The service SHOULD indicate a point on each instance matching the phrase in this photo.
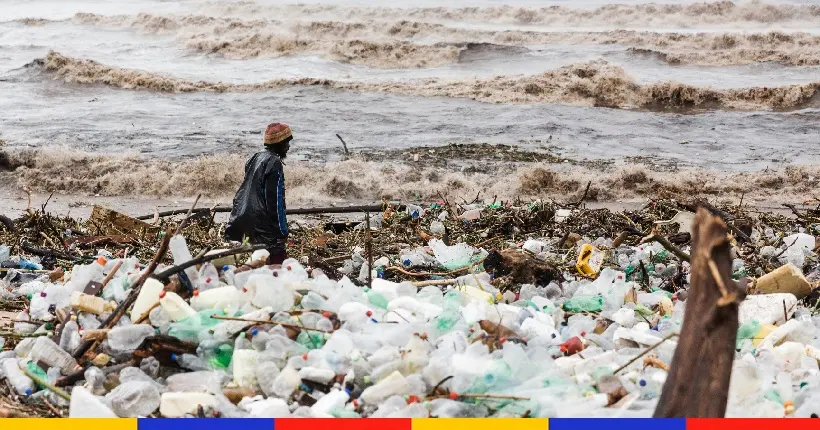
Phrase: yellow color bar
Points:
(68, 424)
(480, 424)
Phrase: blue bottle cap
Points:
(225, 268)
(28, 391)
(642, 382)
(254, 332)
(174, 357)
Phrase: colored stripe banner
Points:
(408, 424)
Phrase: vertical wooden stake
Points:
(698, 382)
(369, 250)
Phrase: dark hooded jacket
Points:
(259, 211)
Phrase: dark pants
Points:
(277, 257)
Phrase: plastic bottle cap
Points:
(304, 356)
(369, 313)
(43, 294)
(208, 280)
(290, 268)
(28, 391)
(642, 382)
(174, 357)
(244, 290)
(216, 414)
(554, 335)
(453, 395)
(412, 399)
(196, 293)
(355, 404)
(472, 330)
(326, 314)
(101, 261)
(162, 294)
(502, 340)
(583, 333)
(275, 274)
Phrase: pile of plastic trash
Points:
(297, 343)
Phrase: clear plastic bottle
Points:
(85, 404)
(134, 399)
(45, 350)
(22, 384)
(181, 254)
(128, 338)
(70, 339)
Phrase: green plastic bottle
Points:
(584, 304)
(377, 299)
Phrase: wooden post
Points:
(698, 380)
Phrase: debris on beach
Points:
(481, 309)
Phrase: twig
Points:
(646, 351)
(167, 273)
(344, 144)
(51, 407)
(447, 378)
(218, 317)
(111, 274)
(369, 246)
(435, 282)
(146, 314)
(38, 381)
(187, 216)
(668, 245)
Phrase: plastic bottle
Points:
(270, 292)
(134, 399)
(330, 401)
(245, 362)
(5, 253)
(177, 405)
(91, 304)
(217, 298)
(393, 385)
(196, 327)
(84, 404)
(176, 308)
(147, 298)
(21, 383)
(45, 350)
(70, 339)
(82, 274)
(584, 304)
(128, 338)
(216, 353)
(181, 254)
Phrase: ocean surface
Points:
(723, 87)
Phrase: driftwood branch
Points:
(173, 270)
(295, 211)
(698, 383)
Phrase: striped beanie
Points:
(277, 133)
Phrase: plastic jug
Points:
(147, 298)
(176, 308)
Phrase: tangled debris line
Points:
(556, 308)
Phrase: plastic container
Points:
(176, 308)
(181, 254)
(84, 404)
(393, 385)
(245, 362)
(128, 338)
(134, 399)
(590, 260)
(91, 304)
(217, 298)
(22, 384)
(45, 350)
(177, 405)
(147, 298)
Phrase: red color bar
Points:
(342, 424)
(751, 424)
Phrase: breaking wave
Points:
(718, 14)
(65, 170)
(396, 44)
(593, 83)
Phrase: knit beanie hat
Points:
(277, 133)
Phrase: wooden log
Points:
(698, 383)
(294, 211)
